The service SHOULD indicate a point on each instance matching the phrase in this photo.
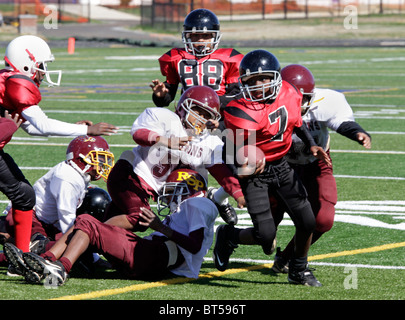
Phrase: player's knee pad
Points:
(21, 195)
(264, 233)
(304, 220)
(325, 219)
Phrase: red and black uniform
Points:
(269, 126)
(17, 92)
(219, 71)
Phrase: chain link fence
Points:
(170, 14)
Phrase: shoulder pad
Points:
(22, 92)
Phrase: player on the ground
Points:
(61, 191)
(322, 110)
(26, 59)
(177, 245)
(265, 117)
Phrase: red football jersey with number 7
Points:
(267, 126)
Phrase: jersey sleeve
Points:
(332, 108)
(167, 66)
(149, 119)
(22, 92)
(38, 123)
(233, 63)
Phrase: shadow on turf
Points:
(82, 272)
(112, 274)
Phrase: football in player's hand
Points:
(249, 155)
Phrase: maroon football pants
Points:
(320, 184)
(128, 253)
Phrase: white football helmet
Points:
(29, 55)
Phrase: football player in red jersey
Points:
(322, 110)
(200, 62)
(26, 59)
(266, 116)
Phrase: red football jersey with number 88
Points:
(215, 70)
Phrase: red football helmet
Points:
(303, 80)
(84, 152)
(180, 185)
(202, 103)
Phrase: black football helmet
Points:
(94, 203)
(256, 63)
(201, 21)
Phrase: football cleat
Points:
(15, 258)
(280, 264)
(38, 243)
(53, 272)
(223, 247)
(226, 211)
(304, 277)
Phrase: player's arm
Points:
(163, 93)
(191, 242)
(354, 131)
(318, 152)
(228, 181)
(231, 93)
(146, 137)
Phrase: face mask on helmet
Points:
(180, 185)
(197, 105)
(87, 153)
(171, 196)
(102, 160)
(307, 100)
(197, 115)
(30, 56)
(201, 48)
(260, 86)
(52, 77)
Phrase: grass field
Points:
(361, 258)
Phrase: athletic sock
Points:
(299, 263)
(48, 255)
(220, 196)
(66, 264)
(22, 228)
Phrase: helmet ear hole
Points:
(26, 68)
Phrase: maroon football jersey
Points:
(17, 91)
(215, 70)
(268, 126)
